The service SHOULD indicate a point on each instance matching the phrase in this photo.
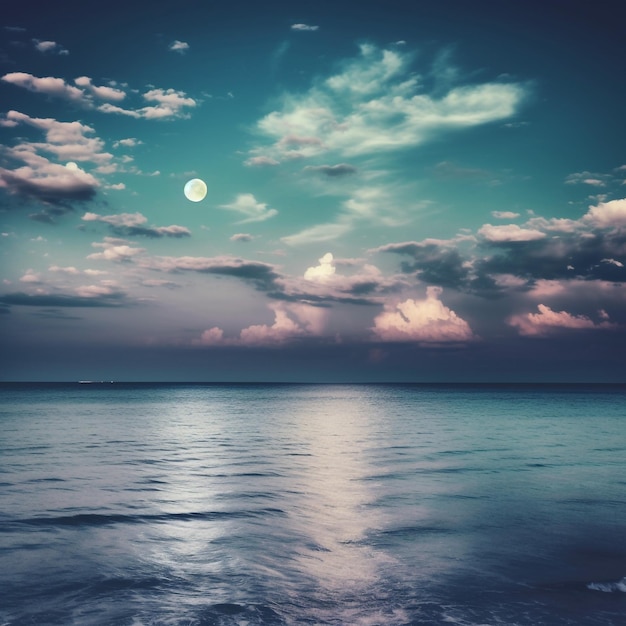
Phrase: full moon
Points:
(71, 165)
(195, 190)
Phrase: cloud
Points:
(509, 232)
(114, 250)
(373, 204)
(170, 103)
(548, 321)
(242, 237)
(291, 321)
(47, 85)
(51, 47)
(31, 277)
(65, 140)
(104, 92)
(322, 272)
(247, 204)
(505, 215)
(48, 183)
(304, 27)
(178, 46)
(607, 214)
(587, 178)
(426, 321)
(262, 275)
(133, 224)
(319, 233)
(260, 161)
(129, 142)
(333, 171)
(71, 270)
(376, 105)
(433, 261)
(88, 296)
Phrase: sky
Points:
(399, 191)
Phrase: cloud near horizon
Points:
(426, 321)
(548, 321)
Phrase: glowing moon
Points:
(195, 190)
(71, 166)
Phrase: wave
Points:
(97, 519)
(620, 585)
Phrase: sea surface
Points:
(139, 504)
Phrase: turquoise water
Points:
(312, 504)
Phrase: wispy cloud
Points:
(304, 27)
(247, 204)
(134, 224)
(375, 104)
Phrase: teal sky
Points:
(396, 191)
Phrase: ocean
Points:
(249, 504)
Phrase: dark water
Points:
(338, 504)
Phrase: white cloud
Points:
(322, 272)
(242, 237)
(374, 204)
(47, 85)
(304, 27)
(607, 214)
(171, 103)
(114, 250)
(64, 270)
(105, 93)
(504, 215)
(247, 204)
(318, 234)
(509, 232)
(66, 140)
(50, 47)
(259, 161)
(179, 46)
(426, 321)
(547, 321)
(375, 104)
(31, 277)
(587, 178)
(129, 142)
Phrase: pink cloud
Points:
(423, 321)
(547, 321)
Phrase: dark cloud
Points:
(55, 314)
(433, 263)
(568, 255)
(114, 299)
(134, 224)
(333, 171)
(48, 190)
